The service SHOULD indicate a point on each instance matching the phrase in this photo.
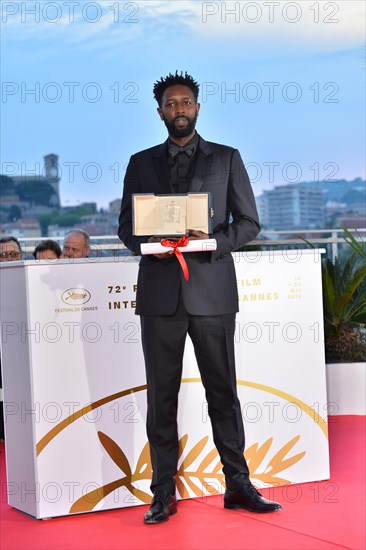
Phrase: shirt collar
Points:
(189, 148)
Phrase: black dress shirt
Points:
(181, 162)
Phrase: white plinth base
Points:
(346, 384)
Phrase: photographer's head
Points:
(76, 244)
(10, 249)
(47, 250)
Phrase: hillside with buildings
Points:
(313, 205)
(30, 206)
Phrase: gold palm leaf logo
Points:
(201, 474)
(197, 478)
(142, 471)
(255, 456)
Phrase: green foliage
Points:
(344, 303)
(7, 186)
(14, 213)
(357, 245)
(82, 210)
(347, 347)
(67, 220)
(44, 221)
(35, 192)
(344, 294)
(354, 196)
(64, 220)
(4, 212)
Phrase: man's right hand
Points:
(165, 255)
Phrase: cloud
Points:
(301, 27)
(256, 26)
(91, 22)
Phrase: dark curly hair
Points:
(172, 80)
(48, 244)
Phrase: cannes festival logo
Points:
(75, 296)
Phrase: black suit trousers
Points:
(163, 340)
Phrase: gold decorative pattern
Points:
(49, 436)
(255, 456)
(143, 471)
(46, 439)
(315, 416)
(196, 478)
(200, 474)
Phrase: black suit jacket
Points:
(212, 288)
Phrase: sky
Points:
(283, 82)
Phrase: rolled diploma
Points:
(199, 245)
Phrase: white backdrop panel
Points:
(89, 399)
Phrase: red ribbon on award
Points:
(183, 241)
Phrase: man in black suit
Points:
(203, 307)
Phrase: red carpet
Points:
(328, 514)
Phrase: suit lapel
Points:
(160, 162)
(201, 168)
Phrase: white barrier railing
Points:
(110, 245)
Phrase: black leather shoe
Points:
(162, 506)
(247, 497)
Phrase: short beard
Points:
(184, 132)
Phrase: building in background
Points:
(102, 223)
(355, 220)
(115, 206)
(293, 206)
(30, 206)
(26, 196)
(23, 228)
(49, 175)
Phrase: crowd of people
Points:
(76, 245)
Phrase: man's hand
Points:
(194, 235)
(165, 255)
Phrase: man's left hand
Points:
(194, 235)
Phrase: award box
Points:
(171, 215)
